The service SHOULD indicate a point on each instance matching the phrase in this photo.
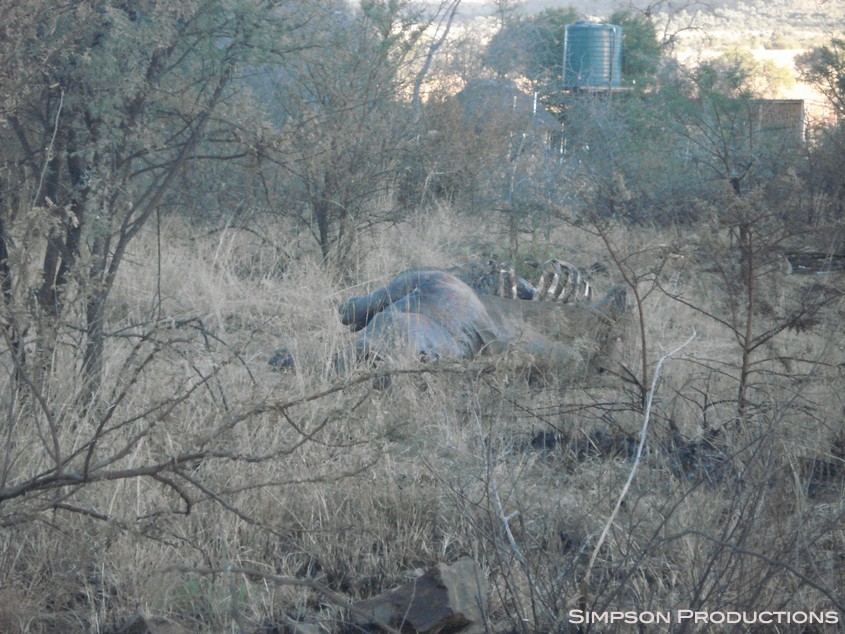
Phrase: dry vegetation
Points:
(319, 482)
(187, 187)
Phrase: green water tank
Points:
(592, 55)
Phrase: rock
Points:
(444, 599)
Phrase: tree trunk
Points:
(13, 335)
(322, 211)
(345, 246)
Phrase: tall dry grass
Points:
(315, 477)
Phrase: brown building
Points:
(779, 120)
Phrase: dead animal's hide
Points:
(429, 314)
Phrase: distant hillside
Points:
(787, 23)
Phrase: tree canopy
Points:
(824, 67)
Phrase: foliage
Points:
(739, 73)
(722, 127)
(342, 129)
(824, 67)
(167, 174)
(337, 108)
(122, 102)
(531, 46)
(641, 49)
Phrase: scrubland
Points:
(207, 488)
(188, 191)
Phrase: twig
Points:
(637, 459)
(49, 150)
(500, 511)
(833, 596)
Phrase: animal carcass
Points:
(429, 314)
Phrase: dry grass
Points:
(356, 489)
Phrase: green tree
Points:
(716, 110)
(752, 76)
(641, 48)
(531, 46)
(824, 67)
(750, 197)
(696, 152)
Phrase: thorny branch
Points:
(643, 435)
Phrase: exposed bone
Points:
(513, 283)
(508, 283)
(541, 288)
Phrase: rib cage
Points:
(562, 281)
(559, 281)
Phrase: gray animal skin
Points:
(431, 314)
(428, 312)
